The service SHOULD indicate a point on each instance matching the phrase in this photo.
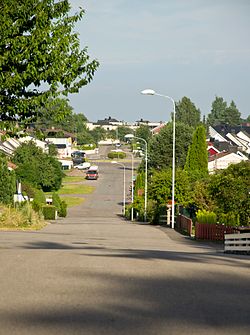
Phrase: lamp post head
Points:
(148, 91)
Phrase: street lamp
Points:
(130, 136)
(152, 92)
(132, 183)
(124, 184)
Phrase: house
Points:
(63, 145)
(223, 159)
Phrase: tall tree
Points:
(217, 115)
(36, 168)
(161, 146)
(40, 56)
(187, 113)
(143, 132)
(7, 182)
(197, 158)
(232, 115)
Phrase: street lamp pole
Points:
(124, 185)
(132, 183)
(146, 172)
(152, 92)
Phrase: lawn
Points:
(76, 189)
(71, 179)
(72, 201)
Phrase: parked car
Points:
(93, 172)
(83, 166)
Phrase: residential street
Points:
(94, 273)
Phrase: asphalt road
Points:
(94, 273)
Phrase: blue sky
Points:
(193, 48)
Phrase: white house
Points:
(223, 159)
(63, 145)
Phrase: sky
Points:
(194, 48)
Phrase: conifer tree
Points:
(197, 157)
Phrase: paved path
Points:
(94, 273)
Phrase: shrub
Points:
(39, 200)
(49, 212)
(63, 209)
(114, 154)
(229, 219)
(60, 205)
(203, 216)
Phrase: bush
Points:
(203, 216)
(39, 200)
(63, 210)
(49, 212)
(60, 205)
(22, 216)
(229, 219)
(114, 154)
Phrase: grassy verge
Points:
(75, 189)
(69, 179)
(72, 201)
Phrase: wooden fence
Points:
(184, 224)
(212, 232)
(237, 243)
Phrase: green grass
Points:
(73, 201)
(71, 179)
(76, 189)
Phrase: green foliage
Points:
(39, 200)
(20, 217)
(187, 113)
(37, 168)
(49, 212)
(160, 186)
(63, 209)
(230, 191)
(160, 150)
(201, 197)
(98, 134)
(203, 216)
(229, 219)
(122, 131)
(114, 154)
(143, 132)
(60, 205)
(7, 182)
(53, 150)
(39, 45)
(223, 114)
(197, 157)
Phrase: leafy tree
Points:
(197, 157)
(187, 113)
(160, 187)
(161, 146)
(232, 115)
(36, 168)
(7, 182)
(217, 115)
(230, 191)
(144, 132)
(122, 131)
(98, 134)
(223, 114)
(40, 56)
